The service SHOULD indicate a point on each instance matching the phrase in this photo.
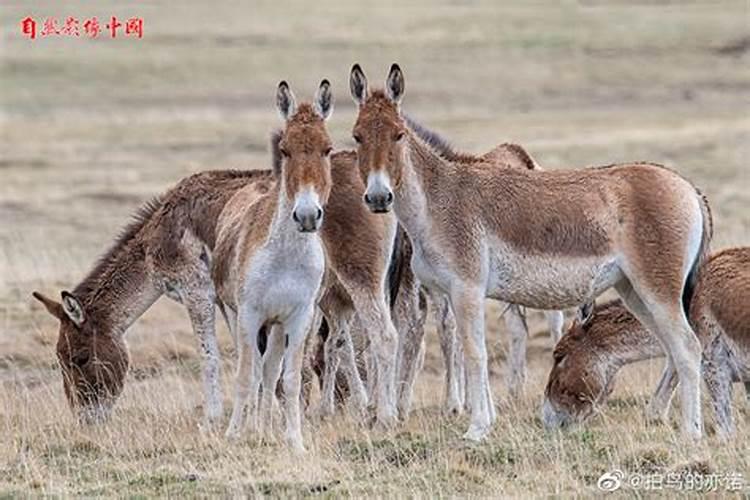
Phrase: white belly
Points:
(547, 281)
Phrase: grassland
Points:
(90, 129)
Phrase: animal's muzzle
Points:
(554, 418)
(309, 219)
(380, 202)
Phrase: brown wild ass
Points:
(269, 264)
(547, 240)
(506, 155)
(607, 337)
(168, 249)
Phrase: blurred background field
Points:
(89, 129)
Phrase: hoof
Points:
(385, 424)
(296, 447)
(453, 410)
(232, 435)
(476, 433)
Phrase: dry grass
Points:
(89, 130)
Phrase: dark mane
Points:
(92, 281)
(440, 144)
(276, 151)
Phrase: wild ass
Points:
(269, 263)
(168, 249)
(605, 338)
(506, 155)
(547, 240)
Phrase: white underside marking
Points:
(547, 281)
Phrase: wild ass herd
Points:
(332, 242)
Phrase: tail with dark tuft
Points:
(399, 258)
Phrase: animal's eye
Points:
(284, 152)
(399, 136)
(357, 138)
(327, 152)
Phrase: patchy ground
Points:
(90, 129)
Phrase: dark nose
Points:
(308, 222)
(379, 203)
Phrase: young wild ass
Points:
(546, 240)
(506, 155)
(168, 249)
(269, 263)
(605, 338)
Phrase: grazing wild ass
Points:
(168, 250)
(547, 240)
(607, 337)
(269, 264)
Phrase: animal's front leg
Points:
(657, 410)
(718, 376)
(519, 333)
(295, 328)
(247, 378)
(272, 360)
(467, 304)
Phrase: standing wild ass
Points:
(506, 155)
(605, 338)
(546, 240)
(168, 249)
(269, 263)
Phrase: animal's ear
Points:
(394, 84)
(73, 308)
(53, 307)
(585, 313)
(285, 101)
(324, 100)
(358, 84)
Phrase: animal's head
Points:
(380, 133)
(93, 359)
(305, 150)
(577, 382)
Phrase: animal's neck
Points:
(120, 293)
(423, 168)
(627, 346)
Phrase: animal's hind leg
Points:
(718, 376)
(409, 316)
(519, 333)
(669, 323)
(446, 329)
(376, 321)
(200, 304)
(658, 408)
(556, 321)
